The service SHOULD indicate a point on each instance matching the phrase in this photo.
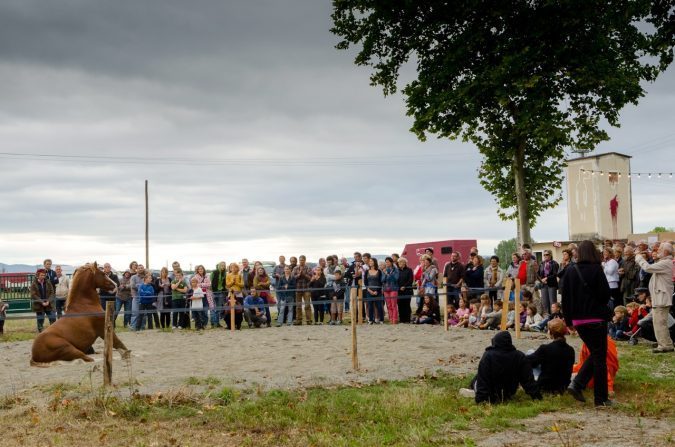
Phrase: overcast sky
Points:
(256, 135)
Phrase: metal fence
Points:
(15, 290)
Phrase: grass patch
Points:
(426, 411)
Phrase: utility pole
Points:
(147, 229)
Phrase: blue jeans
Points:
(127, 311)
(60, 306)
(40, 317)
(283, 306)
(135, 307)
(216, 314)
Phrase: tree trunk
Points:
(521, 197)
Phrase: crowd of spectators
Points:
(619, 292)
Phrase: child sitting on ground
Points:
(474, 318)
(463, 313)
(635, 314)
(485, 306)
(493, 319)
(556, 312)
(532, 318)
(511, 316)
(618, 327)
(453, 319)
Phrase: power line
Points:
(386, 159)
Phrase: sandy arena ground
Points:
(296, 357)
(271, 358)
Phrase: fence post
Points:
(505, 304)
(108, 342)
(352, 311)
(517, 307)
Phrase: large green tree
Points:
(524, 81)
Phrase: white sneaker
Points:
(467, 392)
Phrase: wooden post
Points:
(444, 305)
(505, 301)
(352, 311)
(517, 307)
(147, 230)
(233, 302)
(108, 342)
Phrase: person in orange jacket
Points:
(612, 363)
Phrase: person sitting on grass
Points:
(619, 327)
(553, 361)
(501, 369)
(493, 319)
(428, 312)
(254, 309)
(533, 318)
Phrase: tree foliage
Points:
(522, 80)
(661, 230)
(504, 250)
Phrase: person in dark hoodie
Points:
(585, 299)
(501, 370)
(555, 360)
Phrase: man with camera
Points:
(661, 291)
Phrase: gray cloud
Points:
(315, 158)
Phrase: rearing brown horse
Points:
(70, 337)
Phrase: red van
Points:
(442, 251)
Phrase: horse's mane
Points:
(78, 282)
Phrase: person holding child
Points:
(337, 297)
(428, 312)
(146, 302)
(180, 318)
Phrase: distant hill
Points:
(25, 268)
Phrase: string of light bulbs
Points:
(648, 175)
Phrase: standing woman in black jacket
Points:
(585, 298)
(405, 290)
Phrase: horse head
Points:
(86, 280)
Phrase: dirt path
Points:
(286, 357)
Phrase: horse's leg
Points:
(69, 352)
(117, 344)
